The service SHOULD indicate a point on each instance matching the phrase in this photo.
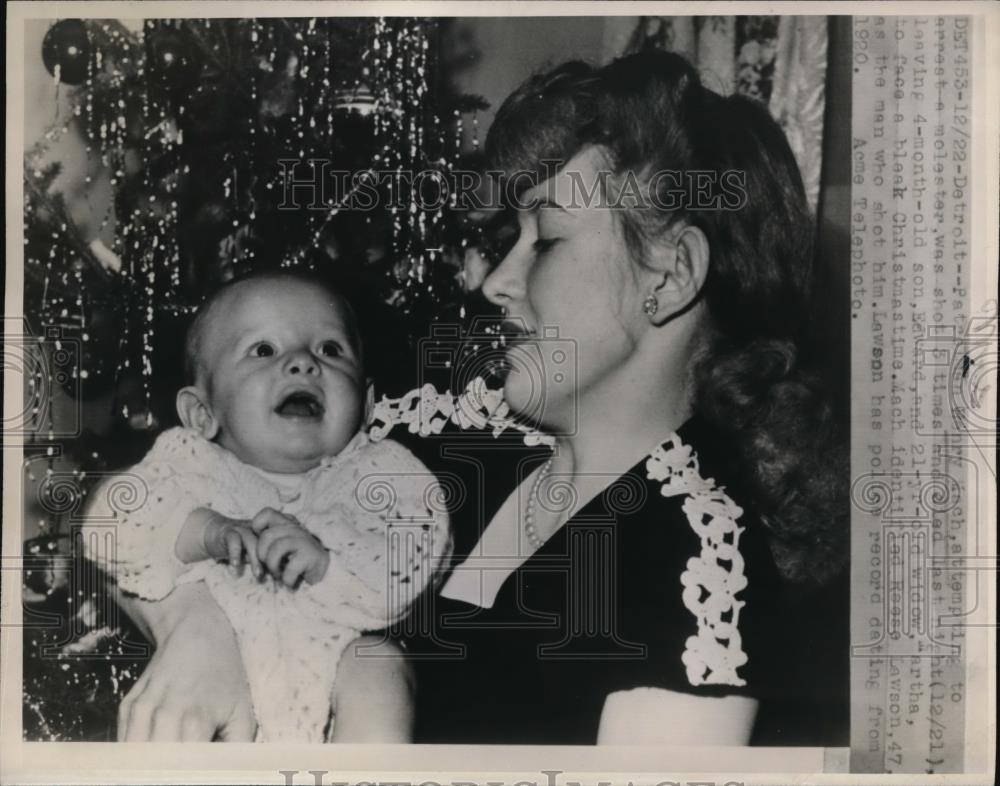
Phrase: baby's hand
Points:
(233, 540)
(289, 550)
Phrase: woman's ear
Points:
(681, 267)
(194, 412)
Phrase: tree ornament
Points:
(278, 86)
(66, 51)
(109, 259)
(172, 59)
(42, 575)
(358, 100)
(212, 212)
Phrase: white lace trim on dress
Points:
(715, 576)
(712, 579)
(424, 411)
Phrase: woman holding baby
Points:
(692, 458)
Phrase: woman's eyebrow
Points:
(548, 202)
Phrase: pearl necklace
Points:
(529, 509)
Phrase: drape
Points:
(779, 60)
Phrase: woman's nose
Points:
(505, 284)
(301, 362)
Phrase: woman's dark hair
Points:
(649, 113)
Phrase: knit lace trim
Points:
(714, 577)
(425, 411)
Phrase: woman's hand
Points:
(195, 687)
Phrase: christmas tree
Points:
(219, 138)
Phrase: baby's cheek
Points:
(350, 403)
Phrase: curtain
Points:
(778, 60)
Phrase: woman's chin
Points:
(523, 400)
(533, 404)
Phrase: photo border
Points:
(252, 763)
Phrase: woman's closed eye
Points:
(543, 244)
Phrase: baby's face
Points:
(284, 374)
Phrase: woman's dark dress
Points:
(597, 609)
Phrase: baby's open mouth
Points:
(301, 404)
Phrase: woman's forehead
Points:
(577, 185)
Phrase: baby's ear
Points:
(194, 412)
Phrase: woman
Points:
(666, 237)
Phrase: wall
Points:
(492, 56)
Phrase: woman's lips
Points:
(511, 335)
(513, 331)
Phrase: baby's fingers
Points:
(250, 546)
(269, 517)
(272, 535)
(295, 568)
(276, 554)
(234, 550)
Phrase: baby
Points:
(305, 532)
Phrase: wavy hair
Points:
(649, 113)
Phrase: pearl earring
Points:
(650, 305)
